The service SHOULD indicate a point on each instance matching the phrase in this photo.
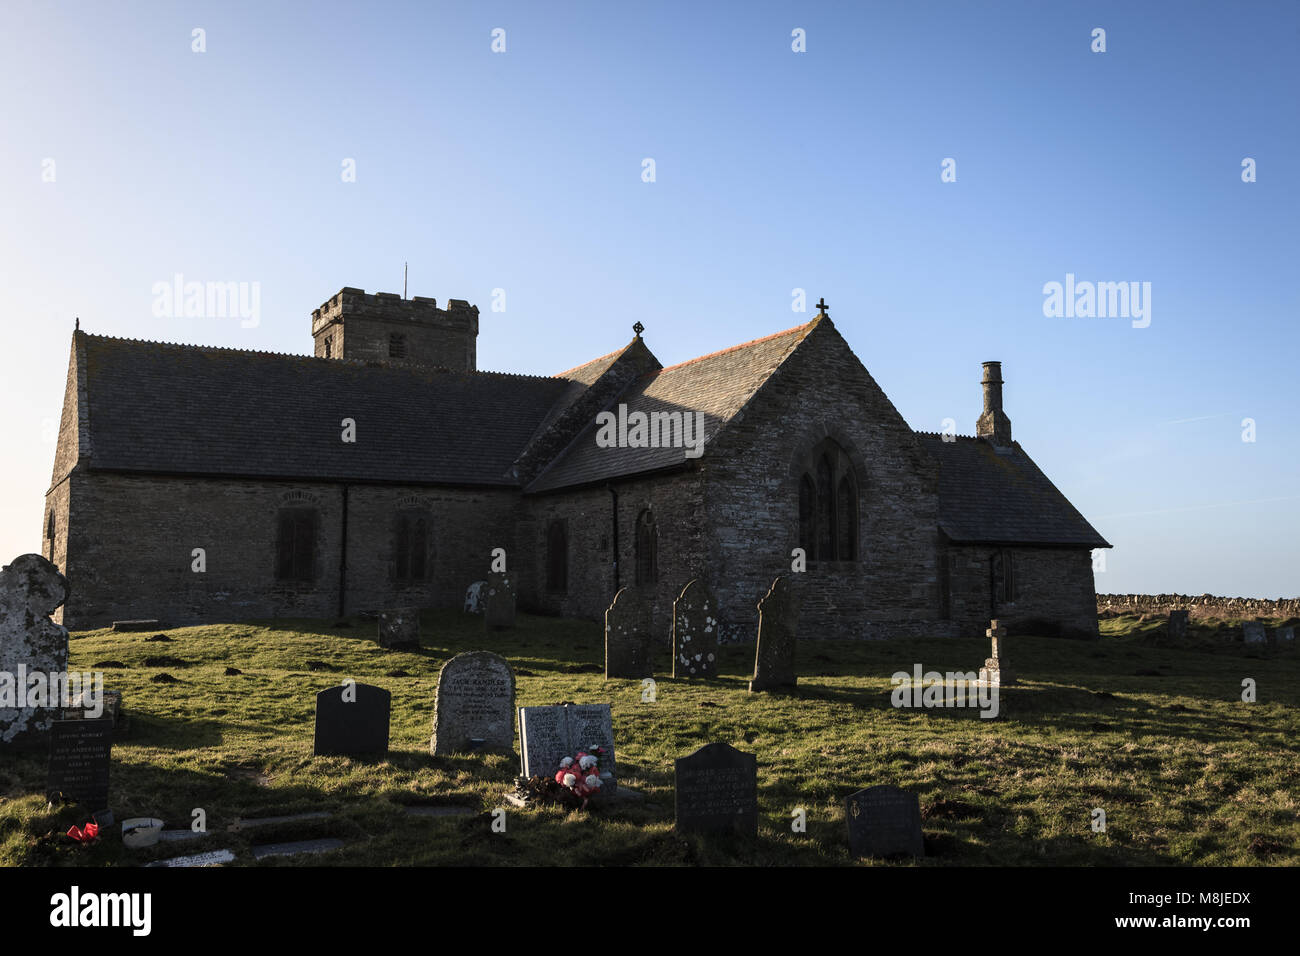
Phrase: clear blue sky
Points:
(775, 170)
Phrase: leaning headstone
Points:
(475, 707)
(1252, 632)
(30, 644)
(352, 720)
(883, 822)
(695, 632)
(1177, 626)
(627, 637)
(80, 753)
(996, 669)
(499, 602)
(549, 734)
(778, 619)
(717, 790)
(400, 628)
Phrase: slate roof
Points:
(188, 409)
(718, 385)
(999, 496)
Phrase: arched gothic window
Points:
(647, 549)
(828, 505)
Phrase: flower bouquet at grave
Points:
(581, 774)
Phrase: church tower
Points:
(384, 327)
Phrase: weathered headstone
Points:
(1285, 636)
(352, 720)
(695, 632)
(475, 708)
(1177, 626)
(717, 790)
(1252, 632)
(778, 619)
(500, 600)
(31, 588)
(474, 597)
(80, 753)
(996, 669)
(400, 628)
(548, 734)
(883, 822)
(627, 637)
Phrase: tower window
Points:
(396, 345)
(329, 347)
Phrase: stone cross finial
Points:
(638, 329)
(821, 306)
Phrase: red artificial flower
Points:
(87, 834)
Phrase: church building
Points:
(197, 485)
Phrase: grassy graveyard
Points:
(1157, 737)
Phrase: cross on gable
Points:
(821, 306)
(638, 329)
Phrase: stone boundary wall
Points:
(1202, 605)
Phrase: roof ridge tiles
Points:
(805, 327)
(314, 358)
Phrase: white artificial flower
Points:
(570, 780)
(566, 761)
(593, 781)
(587, 762)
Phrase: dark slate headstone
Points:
(548, 734)
(778, 619)
(80, 751)
(717, 790)
(1285, 636)
(1252, 632)
(1178, 626)
(883, 822)
(400, 628)
(627, 637)
(475, 708)
(30, 643)
(499, 600)
(352, 720)
(695, 632)
(474, 596)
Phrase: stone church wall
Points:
(130, 553)
(1053, 591)
(675, 502)
(752, 494)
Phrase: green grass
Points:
(1157, 737)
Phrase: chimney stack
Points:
(993, 424)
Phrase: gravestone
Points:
(1285, 636)
(548, 734)
(80, 751)
(1252, 632)
(474, 597)
(996, 670)
(475, 707)
(883, 822)
(627, 637)
(352, 720)
(1177, 626)
(499, 602)
(400, 628)
(30, 644)
(778, 618)
(695, 632)
(717, 790)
